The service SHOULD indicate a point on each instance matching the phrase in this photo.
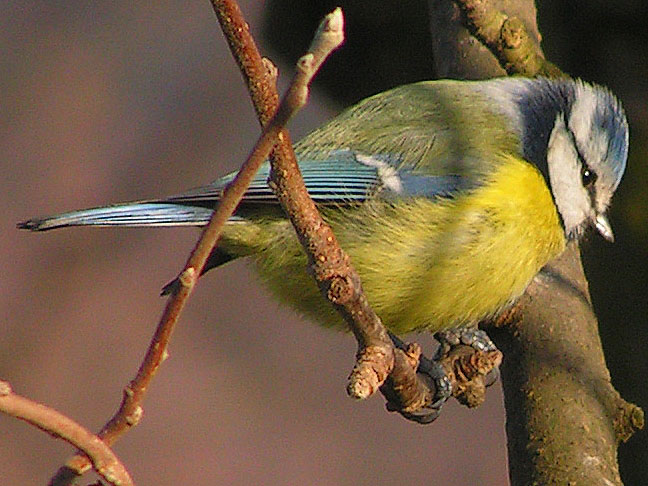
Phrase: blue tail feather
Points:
(129, 214)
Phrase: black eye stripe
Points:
(588, 176)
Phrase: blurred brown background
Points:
(103, 102)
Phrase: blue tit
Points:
(449, 196)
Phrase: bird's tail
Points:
(128, 214)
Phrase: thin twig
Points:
(103, 459)
(331, 266)
(130, 410)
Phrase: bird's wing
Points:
(345, 176)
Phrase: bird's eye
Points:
(588, 177)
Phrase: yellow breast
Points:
(430, 264)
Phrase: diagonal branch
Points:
(130, 409)
(331, 266)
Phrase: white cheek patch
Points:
(387, 174)
(571, 197)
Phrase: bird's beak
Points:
(603, 226)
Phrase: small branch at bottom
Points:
(103, 459)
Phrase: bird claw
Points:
(468, 336)
(442, 383)
(435, 374)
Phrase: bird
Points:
(449, 196)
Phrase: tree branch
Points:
(103, 460)
(556, 385)
(507, 39)
(331, 266)
(377, 358)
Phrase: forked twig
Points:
(377, 359)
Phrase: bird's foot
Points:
(435, 372)
(464, 366)
(436, 378)
(468, 336)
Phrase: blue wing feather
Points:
(344, 177)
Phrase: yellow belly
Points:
(425, 264)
